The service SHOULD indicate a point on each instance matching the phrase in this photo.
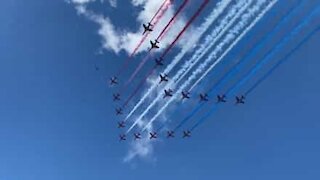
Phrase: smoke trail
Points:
(173, 18)
(211, 39)
(200, 31)
(161, 7)
(265, 59)
(283, 60)
(229, 37)
(256, 48)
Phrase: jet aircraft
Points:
(185, 95)
(154, 44)
(122, 137)
(116, 97)
(221, 98)
(118, 111)
(186, 134)
(137, 136)
(163, 78)
(204, 97)
(147, 28)
(153, 135)
(167, 93)
(170, 134)
(240, 100)
(121, 124)
(113, 80)
(159, 62)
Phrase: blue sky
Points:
(57, 119)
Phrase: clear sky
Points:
(57, 117)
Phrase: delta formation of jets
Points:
(168, 93)
(154, 135)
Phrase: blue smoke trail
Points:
(242, 62)
(284, 59)
(266, 58)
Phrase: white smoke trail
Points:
(229, 37)
(221, 6)
(213, 37)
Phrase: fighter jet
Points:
(147, 28)
(167, 93)
(186, 134)
(118, 111)
(163, 78)
(240, 100)
(113, 80)
(122, 137)
(121, 124)
(137, 136)
(153, 135)
(221, 98)
(170, 134)
(116, 97)
(204, 97)
(159, 62)
(154, 44)
(185, 95)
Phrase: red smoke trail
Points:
(159, 14)
(173, 18)
(143, 61)
(203, 5)
(163, 4)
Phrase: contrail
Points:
(283, 60)
(243, 61)
(173, 18)
(159, 14)
(229, 37)
(197, 13)
(137, 70)
(264, 60)
(201, 30)
(211, 39)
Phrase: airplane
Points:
(154, 44)
(221, 98)
(147, 28)
(113, 80)
(159, 62)
(121, 124)
(163, 78)
(137, 136)
(185, 95)
(153, 135)
(240, 100)
(186, 134)
(116, 97)
(167, 93)
(122, 137)
(118, 111)
(170, 134)
(204, 97)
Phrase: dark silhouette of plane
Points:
(121, 124)
(137, 136)
(185, 95)
(163, 78)
(186, 134)
(221, 98)
(159, 62)
(118, 111)
(154, 44)
(122, 137)
(170, 134)
(113, 80)
(153, 135)
(167, 93)
(96, 67)
(116, 97)
(204, 97)
(147, 28)
(240, 100)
